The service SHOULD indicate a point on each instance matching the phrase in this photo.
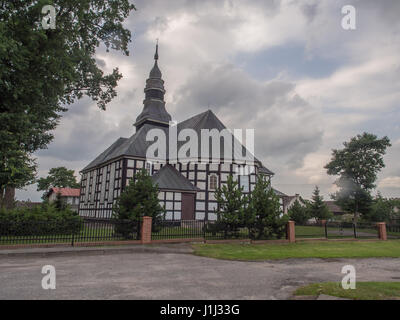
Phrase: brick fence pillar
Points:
(382, 230)
(145, 233)
(291, 236)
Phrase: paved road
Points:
(176, 276)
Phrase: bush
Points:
(299, 212)
(264, 216)
(40, 220)
(139, 199)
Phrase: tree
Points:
(42, 71)
(299, 212)
(231, 207)
(382, 209)
(265, 216)
(59, 177)
(139, 199)
(317, 207)
(357, 166)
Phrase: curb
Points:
(79, 251)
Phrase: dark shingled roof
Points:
(279, 193)
(171, 179)
(264, 170)
(137, 145)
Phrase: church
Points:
(186, 188)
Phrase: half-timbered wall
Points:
(101, 187)
(172, 202)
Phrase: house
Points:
(334, 208)
(69, 195)
(187, 188)
(286, 201)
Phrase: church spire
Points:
(156, 54)
(154, 111)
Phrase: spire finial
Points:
(156, 54)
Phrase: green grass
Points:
(334, 249)
(310, 232)
(363, 291)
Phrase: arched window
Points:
(213, 182)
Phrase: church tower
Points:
(154, 111)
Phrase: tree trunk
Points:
(355, 213)
(9, 198)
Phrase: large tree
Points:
(59, 177)
(357, 166)
(42, 71)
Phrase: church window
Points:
(213, 182)
(244, 183)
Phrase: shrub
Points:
(40, 220)
(264, 217)
(299, 212)
(140, 198)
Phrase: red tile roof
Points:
(66, 192)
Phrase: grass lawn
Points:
(325, 249)
(363, 291)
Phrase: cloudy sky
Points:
(286, 68)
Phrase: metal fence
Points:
(49, 232)
(177, 229)
(393, 230)
(192, 229)
(361, 230)
(310, 230)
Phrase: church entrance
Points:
(188, 206)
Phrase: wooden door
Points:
(187, 206)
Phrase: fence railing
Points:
(393, 230)
(88, 230)
(191, 229)
(337, 230)
(100, 230)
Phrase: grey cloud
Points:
(287, 128)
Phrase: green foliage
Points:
(40, 220)
(43, 71)
(299, 212)
(231, 208)
(317, 207)
(264, 216)
(139, 199)
(383, 210)
(59, 177)
(357, 166)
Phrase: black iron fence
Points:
(336, 230)
(393, 230)
(192, 229)
(88, 230)
(360, 230)
(310, 230)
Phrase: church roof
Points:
(136, 145)
(171, 179)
